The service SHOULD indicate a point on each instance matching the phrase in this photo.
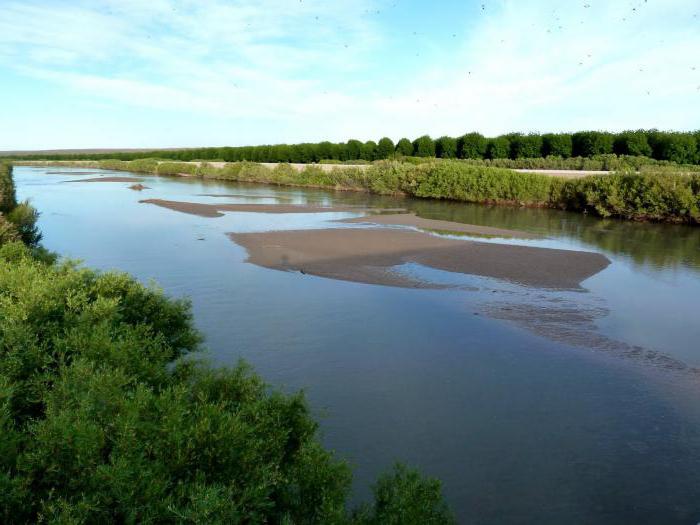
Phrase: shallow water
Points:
(532, 406)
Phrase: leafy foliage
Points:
(424, 147)
(105, 419)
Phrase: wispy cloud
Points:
(312, 69)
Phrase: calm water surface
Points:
(532, 406)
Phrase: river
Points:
(531, 405)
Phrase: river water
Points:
(532, 406)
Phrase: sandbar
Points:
(410, 219)
(215, 210)
(369, 255)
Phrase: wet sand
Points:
(410, 219)
(216, 210)
(369, 255)
(243, 196)
(108, 179)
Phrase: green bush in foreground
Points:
(103, 421)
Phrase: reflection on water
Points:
(521, 425)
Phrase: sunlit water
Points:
(590, 418)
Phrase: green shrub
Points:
(24, 218)
(176, 168)
(102, 420)
(8, 200)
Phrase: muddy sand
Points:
(215, 210)
(244, 196)
(108, 179)
(368, 255)
(439, 226)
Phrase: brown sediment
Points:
(108, 179)
(370, 255)
(215, 210)
(72, 172)
(575, 324)
(138, 187)
(439, 226)
(243, 196)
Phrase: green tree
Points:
(446, 148)
(525, 146)
(632, 143)
(557, 144)
(385, 148)
(472, 146)
(354, 149)
(369, 150)
(424, 146)
(675, 147)
(589, 143)
(404, 147)
(498, 148)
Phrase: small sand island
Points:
(368, 255)
(108, 179)
(216, 210)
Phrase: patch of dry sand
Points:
(368, 256)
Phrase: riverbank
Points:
(104, 414)
(642, 196)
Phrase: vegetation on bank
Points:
(676, 147)
(656, 195)
(105, 419)
(17, 220)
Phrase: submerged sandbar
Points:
(216, 210)
(410, 219)
(108, 179)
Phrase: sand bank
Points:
(216, 210)
(409, 219)
(243, 196)
(368, 255)
(108, 179)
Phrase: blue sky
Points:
(168, 73)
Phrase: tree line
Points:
(678, 147)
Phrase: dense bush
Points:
(8, 200)
(641, 188)
(105, 418)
